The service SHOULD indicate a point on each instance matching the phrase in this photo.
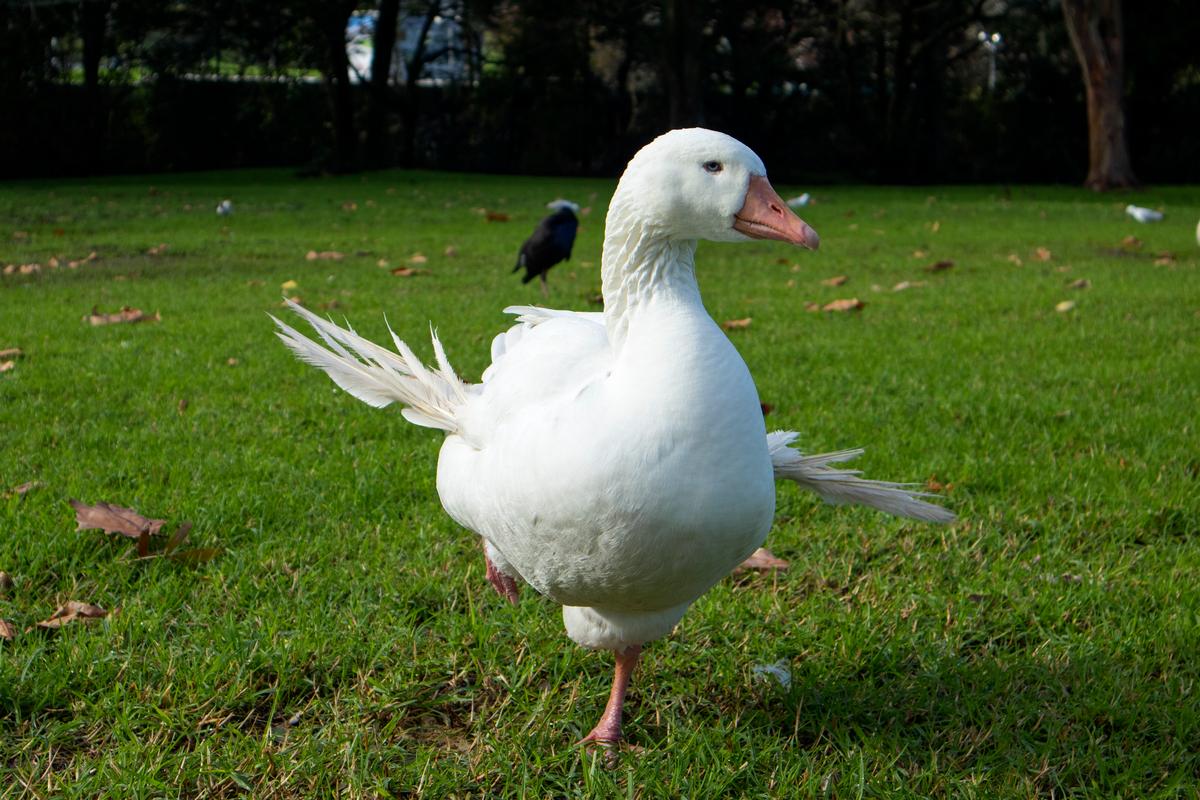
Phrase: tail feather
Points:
(378, 376)
(838, 486)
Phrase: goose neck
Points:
(641, 267)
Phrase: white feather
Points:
(378, 376)
(838, 486)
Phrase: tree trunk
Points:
(381, 67)
(337, 77)
(1097, 35)
(681, 44)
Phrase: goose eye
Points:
(713, 167)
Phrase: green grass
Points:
(1048, 644)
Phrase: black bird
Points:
(550, 242)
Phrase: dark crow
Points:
(550, 243)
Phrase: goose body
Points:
(617, 462)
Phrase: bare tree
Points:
(1097, 34)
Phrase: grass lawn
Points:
(345, 642)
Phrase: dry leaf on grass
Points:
(812, 306)
(92, 256)
(902, 285)
(114, 519)
(1131, 241)
(20, 491)
(71, 611)
(836, 280)
(940, 266)
(349, 206)
(1015, 259)
(1042, 254)
(1064, 306)
(157, 250)
(1164, 259)
(495, 216)
(324, 255)
(7, 631)
(6, 581)
(450, 252)
(417, 258)
(126, 314)
(5, 366)
(934, 485)
(920, 253)
(761, 560)
(408, 272)
(736, 324)
(846, 304)
(1082, 283)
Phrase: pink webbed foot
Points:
(505, 586)
(607, 732)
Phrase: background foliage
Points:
(824, 90)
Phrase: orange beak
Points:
(764, 215)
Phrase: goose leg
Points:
(608, 729)
(505, 586)
(545, 288)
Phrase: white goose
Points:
(617, 462)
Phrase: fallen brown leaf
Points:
(1064, 306)
(1082, 283)
(450, 252)
(288, 284)
(157, 250)
(408, 272)
(417, 258)
(231, 362)
(1042, 254)
(6, 581)
(920, 253)
(1164, 259)
(126, 314)
(7, 631)
(92, 256)
(1015, 259)
(324, 255)
(71, 611)
(24, 488)
(5, 366)
(836, 280)
(349, 206)
(382, 263)
(1131, 241)
(934, 485)
(761, 560)
(940, 266)
(736, 324)
(902, 285)
(846, 304)
(936, 226)
(495, 216)
(114, 519)
(812, 306)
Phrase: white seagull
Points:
(1142, 214)
(617, 462)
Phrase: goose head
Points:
(695, 183)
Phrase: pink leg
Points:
(608, 729)
(505, 586)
